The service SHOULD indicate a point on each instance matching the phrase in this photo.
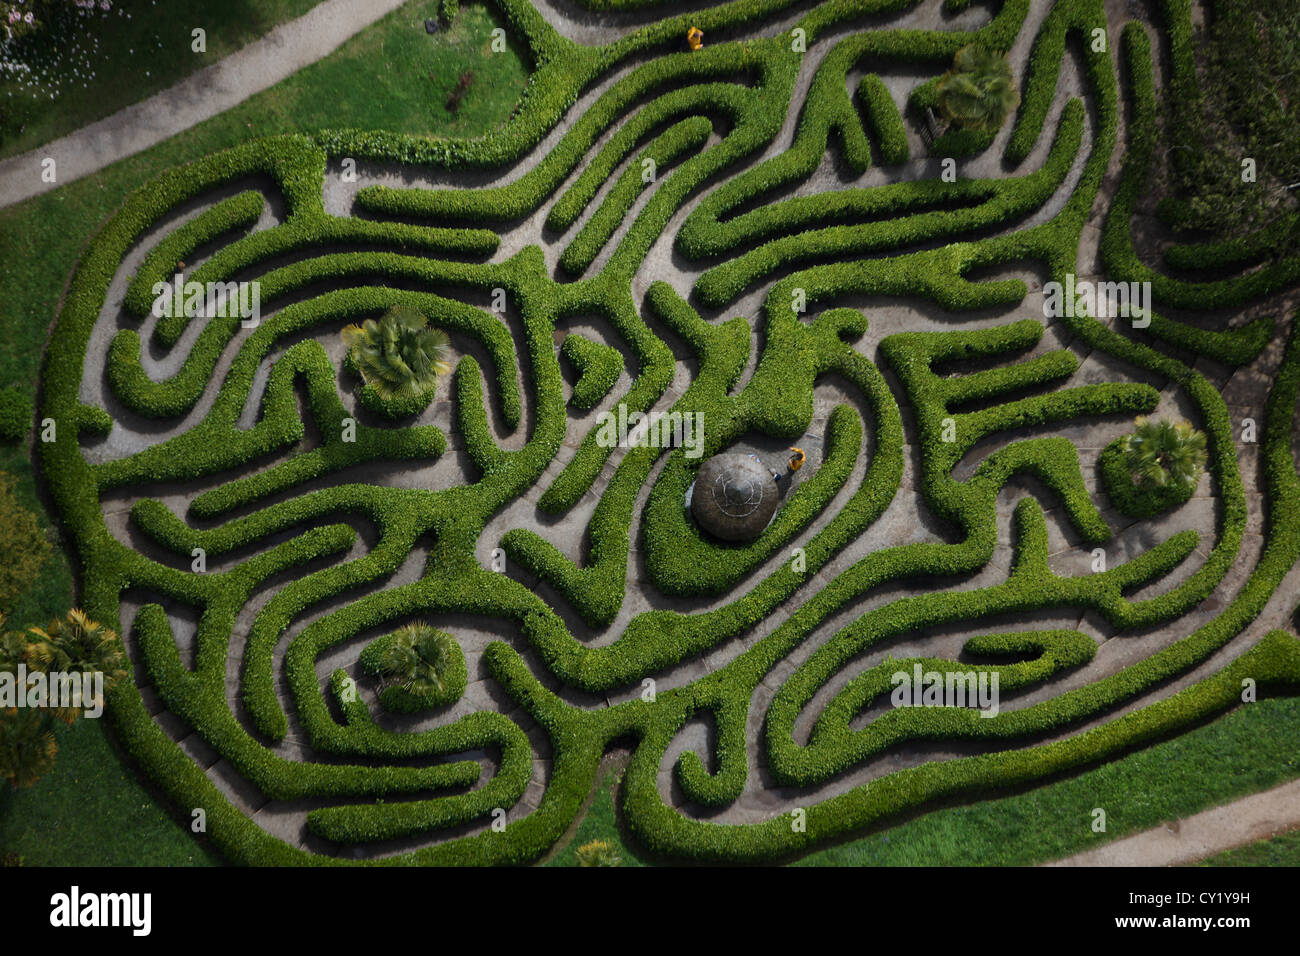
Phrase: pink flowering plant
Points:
(23, 17)
(46, 48)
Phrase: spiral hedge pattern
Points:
(535, 249)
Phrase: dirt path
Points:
(1252, 818)
(200, 96)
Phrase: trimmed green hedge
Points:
(598, 367)
(885, 119)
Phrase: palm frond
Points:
(398, 355)
(1158, 453)
(979, 92)
(418, 658)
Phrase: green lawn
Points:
(97, 63)
(40, 240)
(601, 823)
(1242, 753)
(1282, 850)
(399, 78)
(90, 810)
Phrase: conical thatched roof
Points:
(734, 497)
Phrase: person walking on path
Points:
(794, 464)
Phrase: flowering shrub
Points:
(47, 47)
(598, 853)
(22, 18)
(23, 549)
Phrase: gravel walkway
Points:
(1257, 817)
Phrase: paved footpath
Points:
(200, 96)
(1193, 838)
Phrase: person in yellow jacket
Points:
(796, 461)
(695, 38)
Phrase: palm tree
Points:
(1159, 453)
(398, 354)
(419, 659)
(979, 92)
(71, 644)
(76, 644)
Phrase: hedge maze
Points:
(722, 232)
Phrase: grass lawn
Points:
(399, 78)
(96, 62)
(601, 823)
(40, 241)
(1281, 850)
(90, 810)
(1244, 752)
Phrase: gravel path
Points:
(1257, 817)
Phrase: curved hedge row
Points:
(598, 367)
(1118, 254)
(167, 257)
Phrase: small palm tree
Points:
(1160, 453)
(419, 659)
(71, 644)
(398, 354)
(76, 644)
(979, 92)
